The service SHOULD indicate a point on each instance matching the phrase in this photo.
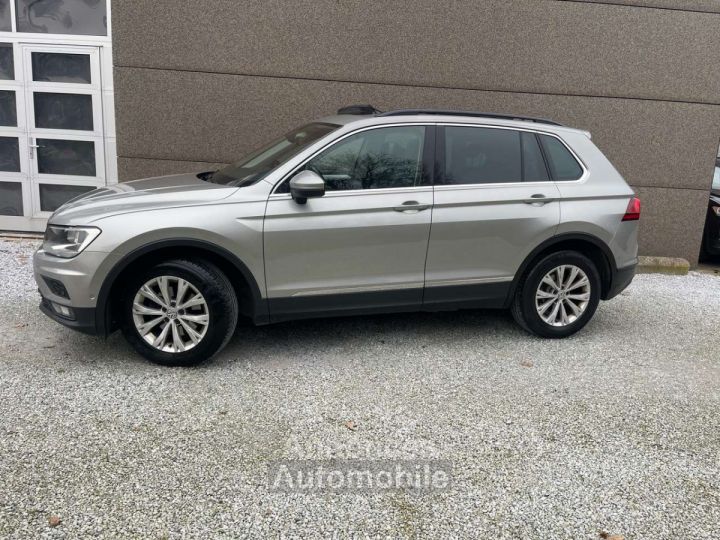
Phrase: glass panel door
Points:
(64, 124)
(15, 192)
(54, 137)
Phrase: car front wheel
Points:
(558, 296)
(179, 312)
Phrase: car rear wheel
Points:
(179, 312)
(558, 295)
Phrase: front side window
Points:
(260, 163)
(562, 163)
(716, 178)
(374, 159)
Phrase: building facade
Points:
(199, 84)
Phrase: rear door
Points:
(362, 246)
(494, 203)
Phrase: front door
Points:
(51, 140)
(362, 246)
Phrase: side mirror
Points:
(306, 185)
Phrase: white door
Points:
(56, 149)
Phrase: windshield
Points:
(257, 165)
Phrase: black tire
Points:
(524, 310)
(222, 307)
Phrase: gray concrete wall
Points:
(201, 83)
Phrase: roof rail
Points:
(495, 116)
(359, 110)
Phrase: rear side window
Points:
(534, 169)
(482, 155)
(475, 155)
(563, 164)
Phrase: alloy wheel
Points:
(563, 295)
(170, 314)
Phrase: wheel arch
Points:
(251, 301)
(590, 246)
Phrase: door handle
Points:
(32, 145)
(538, 199)
(411, 207)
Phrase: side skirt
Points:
(450, 298)
(477, 296)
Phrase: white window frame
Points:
(108, 157)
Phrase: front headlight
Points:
(67, 242)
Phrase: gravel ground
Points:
(615, 431)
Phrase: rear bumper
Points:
(82, 319)
(621, 278)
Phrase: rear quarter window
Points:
(534, 169)
(562, 163)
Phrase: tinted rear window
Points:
(534, 169)
(562, 163)
(475, 155)
(482, 155)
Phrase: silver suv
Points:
(361, 212)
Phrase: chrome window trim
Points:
(274, 195)
(357, 192)
(537, 131)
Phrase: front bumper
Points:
(79, 276)
(83, 319)
(70, 283)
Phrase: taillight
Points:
(633, 210)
